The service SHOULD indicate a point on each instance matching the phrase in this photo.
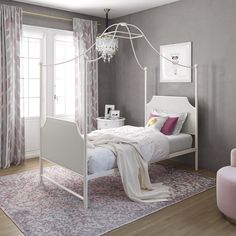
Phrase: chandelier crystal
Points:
(106, 47)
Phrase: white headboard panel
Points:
(174, 104)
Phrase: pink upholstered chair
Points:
(226, 189)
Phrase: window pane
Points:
(60, 106)
(70, 52)
(59, 88)
(24, 47)
(24, 91)
(70, 71)
(24, 68)
(34, 48)
(60, 52)
(64, 76)
(30, 73)
(70, 104)
(34, 69)
(24, 107)
(60, 72)
(34, 88)
(34, 107)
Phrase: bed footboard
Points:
(62, 143)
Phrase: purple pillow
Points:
(169, 125)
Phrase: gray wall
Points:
(210, 25)
(104, 71)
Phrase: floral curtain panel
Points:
(85, 32)
(12, 145)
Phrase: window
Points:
(64, 76)
(30, 74)
(49, 46)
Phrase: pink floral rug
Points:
(45, 210)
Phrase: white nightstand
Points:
(103, 123)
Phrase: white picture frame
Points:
(108, 109)
(115, 114)
(171, 72)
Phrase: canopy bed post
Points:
(196, 115)
(40, 123)
(85, 179)
(145, 95)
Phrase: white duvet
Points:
(154, 145)
(134, 147)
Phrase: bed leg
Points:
(196, 160)
(40, 169)
(85, 194)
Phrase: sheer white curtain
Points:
(85, 32)
(12, 142)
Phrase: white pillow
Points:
(181, 119)
(156, 122)
(161, 122)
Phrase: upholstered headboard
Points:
(173, 105)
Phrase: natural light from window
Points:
(64, 78)
(47, 46)
(30, 75)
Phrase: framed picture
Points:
(115, 114)
(178, 53)
(108, 109)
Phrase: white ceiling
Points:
(95, 7)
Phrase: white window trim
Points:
(25, 30)
(47, 57)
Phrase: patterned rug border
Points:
(128, 222)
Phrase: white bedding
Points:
(102, 159)
(134, 147)
(180, 142)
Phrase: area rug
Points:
(45, 210)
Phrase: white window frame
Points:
(29, 29)
(48, 57)
(59, 33)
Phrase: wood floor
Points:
(195, 216)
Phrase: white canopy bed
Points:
(63, 144)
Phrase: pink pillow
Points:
(169, 125)
(152, 115)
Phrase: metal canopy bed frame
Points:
(61, 141)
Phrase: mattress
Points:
(180, 142)
(102, 159)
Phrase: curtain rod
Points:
(48, 16)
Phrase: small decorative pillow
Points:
(182, 118)
(180, 123)
(169, 125)
(156, 122)
(156, 113)
(151, 122)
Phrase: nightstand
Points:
(103, 123)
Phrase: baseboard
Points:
(32, 154)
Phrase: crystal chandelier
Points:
(106, 45)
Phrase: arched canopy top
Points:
(121, 30)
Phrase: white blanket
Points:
(134, 147)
